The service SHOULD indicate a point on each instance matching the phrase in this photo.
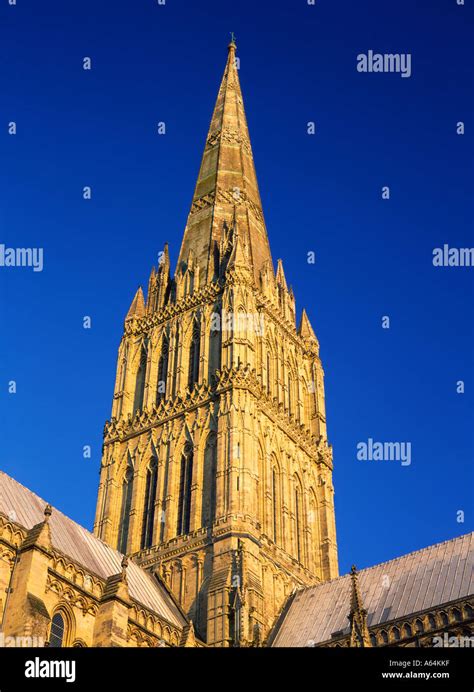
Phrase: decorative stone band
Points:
(206, 295)
(201, 297)
(230, 136)
(227, 197)
(241, 377)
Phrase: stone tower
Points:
(216, 471)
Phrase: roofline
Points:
(386, 562)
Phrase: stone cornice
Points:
(227, 379)
(148, 418)
(173, 548)
(208, 294)
(66, 588)
(202, 296)
(309, 348)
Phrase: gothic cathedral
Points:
(217, 472)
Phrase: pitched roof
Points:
(227, 179)
(24, 507)
(391, 590)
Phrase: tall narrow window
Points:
(176, 355)
(149, 506)
(56, 636)
(315, 393)
(194, 354)
(275, 504)
(290, 395)
(162, 371)
(140, 382)
(184, 501)
(209, 481)
(298, 524)
(269, 387)
(214, 347)
(189, 282)
(127, 487)
(313, 547)
(307, 413)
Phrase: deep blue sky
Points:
(320, 193)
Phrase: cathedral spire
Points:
(227, 178)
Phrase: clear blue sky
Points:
(320, 193)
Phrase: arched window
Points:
(432, 622)
(140, 381)
(127, 487)
(121, 383)
(162, 370)
(308, 397)
(373, 639)
(298, 524)
(214, 346)
(395, 633)
(468, 612)
(419, 626)
(407, 631)
(176, 346)
(456, 614)
(189, 281)
(384, 637)
(275, 504)
(209, 481)
(58, 629)
(444, 618)
(149, 506)
(184, 501)
(290, 395)
(312, 523)
(314, 386)
(261, 494)
(194, 355)
(269, 373)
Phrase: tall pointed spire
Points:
(226, 179)
(360, 636)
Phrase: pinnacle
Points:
(137, 308)
(305, 330)
(280, 275)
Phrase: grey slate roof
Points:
(22, 506)
(414, 582)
